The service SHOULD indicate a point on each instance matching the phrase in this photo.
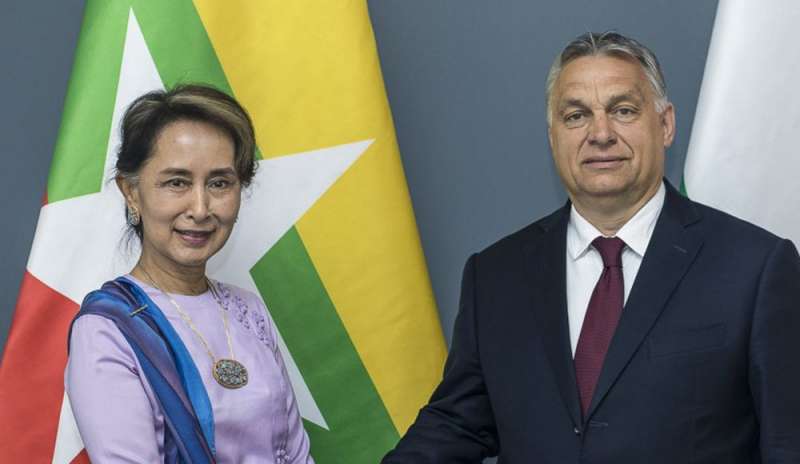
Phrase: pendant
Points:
(230, 373)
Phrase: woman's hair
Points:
(149, 114)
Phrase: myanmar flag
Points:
(326, 235)
(743, 156)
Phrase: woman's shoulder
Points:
(93, 336)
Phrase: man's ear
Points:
(668, 124)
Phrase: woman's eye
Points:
(177, 183)
(220, 184)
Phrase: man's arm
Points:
(457, 425)
(775, 356)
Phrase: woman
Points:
(166, 364)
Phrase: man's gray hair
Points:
(609, 43)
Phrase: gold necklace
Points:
(229, 373)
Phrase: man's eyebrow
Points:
(572, 102)
(634, 96)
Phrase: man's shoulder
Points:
(723, 227)
(528, 235)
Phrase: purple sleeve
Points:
(297, 443)
(112, 405)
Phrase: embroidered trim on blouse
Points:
(245, 316)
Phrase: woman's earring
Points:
(133, 216)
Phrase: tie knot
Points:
(610, 250)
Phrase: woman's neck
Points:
(190, 281)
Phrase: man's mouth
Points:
(604, 162)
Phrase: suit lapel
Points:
(546, 266)
(671, 251)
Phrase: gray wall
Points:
(464, 79)
(37, 45)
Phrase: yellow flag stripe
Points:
(308, 73)
(300, 68)
(381, 291)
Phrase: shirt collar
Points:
(635, 233)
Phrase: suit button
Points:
(577, 431)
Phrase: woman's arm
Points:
(113, 406)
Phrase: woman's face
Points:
(188, 196)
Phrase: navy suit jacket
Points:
(704, 366)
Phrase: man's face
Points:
(607, 138)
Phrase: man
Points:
(630, 326)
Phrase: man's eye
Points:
(625, 112)
(573, 117)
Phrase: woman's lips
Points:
(194, 238)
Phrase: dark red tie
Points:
(602, 316)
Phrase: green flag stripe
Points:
(360, 426)
(181, 50)
(77, 167)
(179, 44)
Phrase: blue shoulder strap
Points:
(166, 363)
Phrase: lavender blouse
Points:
(117, 413)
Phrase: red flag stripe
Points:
(81, 458)
(32, 373)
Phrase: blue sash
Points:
(165, 361)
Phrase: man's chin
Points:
(606, 190)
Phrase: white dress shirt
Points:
(584, 264)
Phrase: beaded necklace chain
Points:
(228, 372)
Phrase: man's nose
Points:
(601, 132)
